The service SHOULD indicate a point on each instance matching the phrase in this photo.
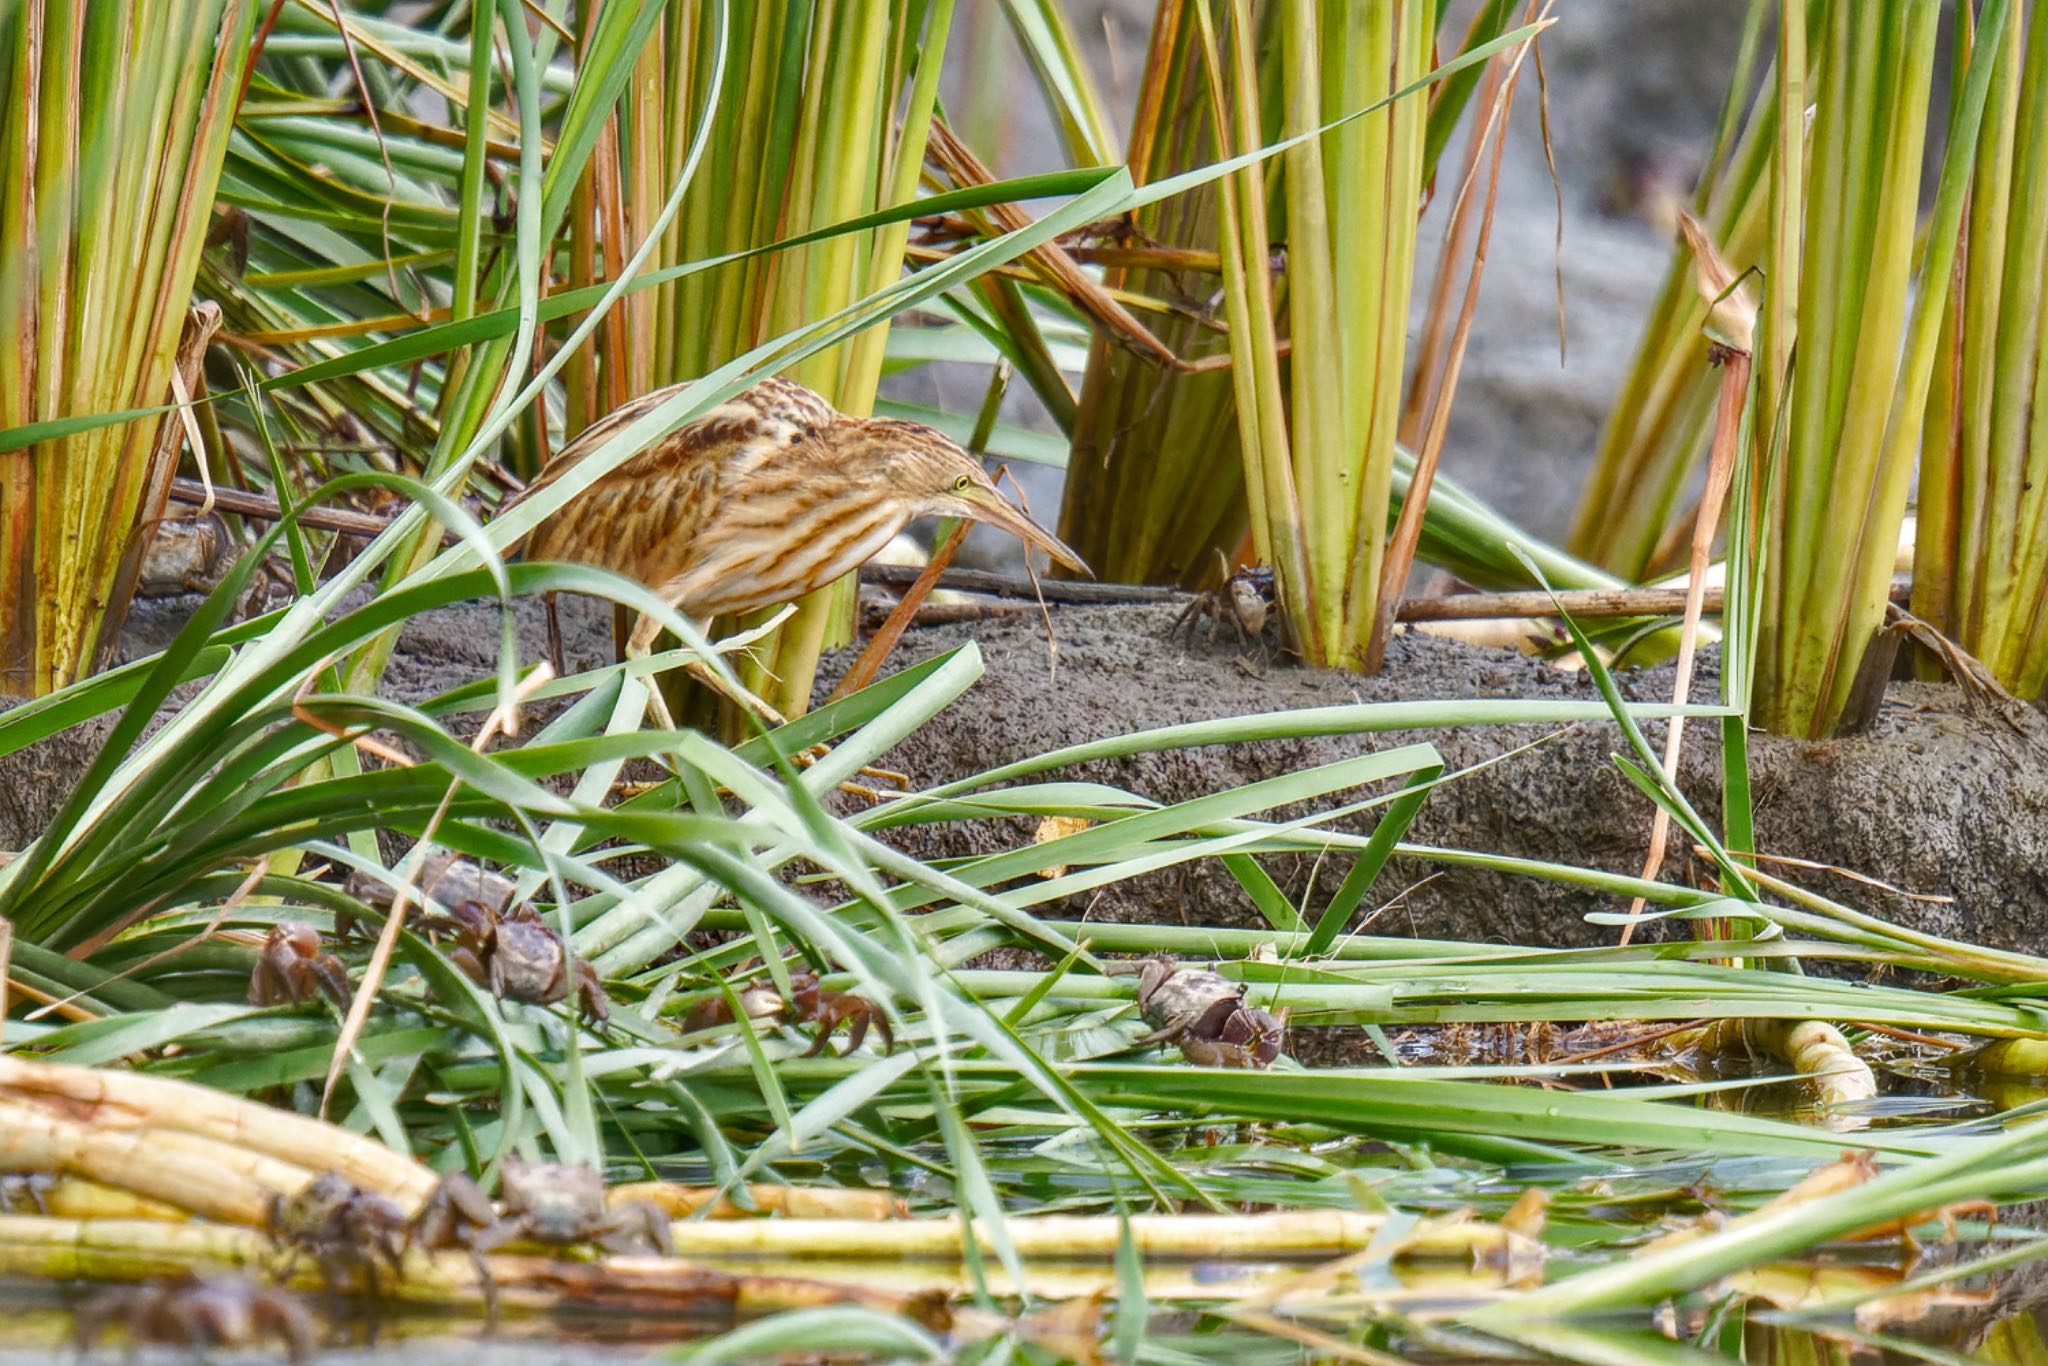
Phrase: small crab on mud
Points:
(1244, 603)
(201, 1312)
(294, 966)
(517, 956)
(1204, 1013)
(808, 1001)
(348, 1231)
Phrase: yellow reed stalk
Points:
(113, 1102)
(1657, 426)
(1812, 1048)
(1318, 435)
(1980, 569)
(794, 1202)
(2013, 1057)
(879, 1277)
(138, 1249)
(196, 1174)
(1058, 1236)
(1168, 1281)
(72, 1197)
(1872, 294)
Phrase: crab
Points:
(294, 966)
(30, 1187)
(1204, 1013)
(346, 1229)
(554, 1203)
(809, 1001)
(445, 878)
(759, 1000)
(185, 555)
(201, 1312)
(1244, 1036)
(519, 957)
(1244, 603)
(828, 1009)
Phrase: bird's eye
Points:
(962, 484)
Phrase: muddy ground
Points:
(1939, 798)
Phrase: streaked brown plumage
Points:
(762, 499)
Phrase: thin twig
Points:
(264, 507)
(1732, 310)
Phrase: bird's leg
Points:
(638, 646)
(641, 644)
(554, 633)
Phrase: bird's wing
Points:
(766, 416)
(641, 518)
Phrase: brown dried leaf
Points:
(1731, 306)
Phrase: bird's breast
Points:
(741, 561)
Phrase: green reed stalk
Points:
(1318, 435)
(1980, 569)
(118, 118)
(1155, 482)
(1657, 427)
(805, 136)
(1865, 358)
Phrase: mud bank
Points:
(1937, 799)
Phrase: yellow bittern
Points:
(764, 498)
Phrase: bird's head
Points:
(935, 477)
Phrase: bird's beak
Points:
(986, 505)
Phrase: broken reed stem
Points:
(1588, 603)
(1734, 395)
(141, 1161)
(133, 1250)
(1816, 1050)
(135, 1156)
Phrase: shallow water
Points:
(36, 1327)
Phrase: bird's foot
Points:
(900, 781)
